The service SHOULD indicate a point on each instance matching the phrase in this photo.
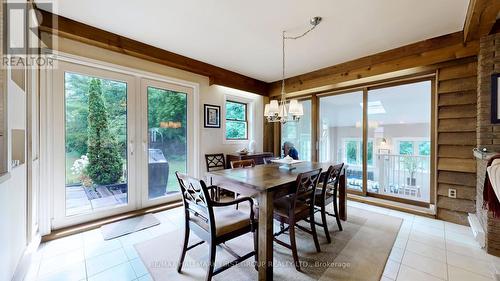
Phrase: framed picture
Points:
(495, 98)
(212, 116)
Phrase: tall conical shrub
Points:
(105, 162)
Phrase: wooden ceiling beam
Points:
(481, 16)
(71, 29)
(427, 52)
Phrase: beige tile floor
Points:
(425, 250)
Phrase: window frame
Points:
(236, 120)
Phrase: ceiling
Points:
(245, 36)
(404, 104)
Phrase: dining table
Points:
(267, 183)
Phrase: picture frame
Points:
(211, 116)
(495, 98)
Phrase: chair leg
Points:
(184, 250)
(294, 246)
(256, 248)
(236, 197)
(336, 211)
(325, 225)
(211, 262)
(314, 233)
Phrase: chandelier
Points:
(282, 111)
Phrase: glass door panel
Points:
(96, 173)
(399, 119)
(298, 134)
(167, 140)
(341, 134)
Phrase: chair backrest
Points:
(196, 200)
(242, 163)
(331, 179)
(306, 187)
(215, 162)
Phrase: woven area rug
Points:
(359, 252)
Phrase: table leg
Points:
(342, 197)
(265, 236)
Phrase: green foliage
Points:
(351, 147)
(105, 163)
(406, 148)
(424, 148)
(168, 106)
(77, 110)
(236, 125)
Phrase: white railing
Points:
(405, 176)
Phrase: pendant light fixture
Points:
(282, 111)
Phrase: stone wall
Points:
(488, 135)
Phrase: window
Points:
(354, 152)
(236, 120)
(412, 147)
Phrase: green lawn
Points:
(174, 166)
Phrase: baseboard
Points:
(25, 262)
(477, 230)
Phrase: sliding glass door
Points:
(401, 119)
(341, 134)
(392, 126)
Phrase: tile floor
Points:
(425, 250)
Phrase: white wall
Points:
(13, 194)
(211, 140)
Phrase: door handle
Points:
(131, 148)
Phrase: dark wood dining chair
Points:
(213, 222)
(296, 207)
(242, 163)
(215, 162)
(326, 193)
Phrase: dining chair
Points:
(215, 162)
(296, 207)
(214, 223)
(326, 193)
(242, 163)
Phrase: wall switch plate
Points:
(452, 193)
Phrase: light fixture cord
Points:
(283, 55)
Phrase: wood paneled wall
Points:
(456, 137)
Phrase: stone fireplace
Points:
(488, 135)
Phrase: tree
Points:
(105, 162)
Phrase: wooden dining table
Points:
(268, 182)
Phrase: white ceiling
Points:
(245, 36)
(405, 104)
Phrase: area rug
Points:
(124, 227)
(359, 252)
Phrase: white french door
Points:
(167, 139)
(115, 140)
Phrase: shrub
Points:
(105, 162)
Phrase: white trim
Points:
(24, 263)
(250, 102)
